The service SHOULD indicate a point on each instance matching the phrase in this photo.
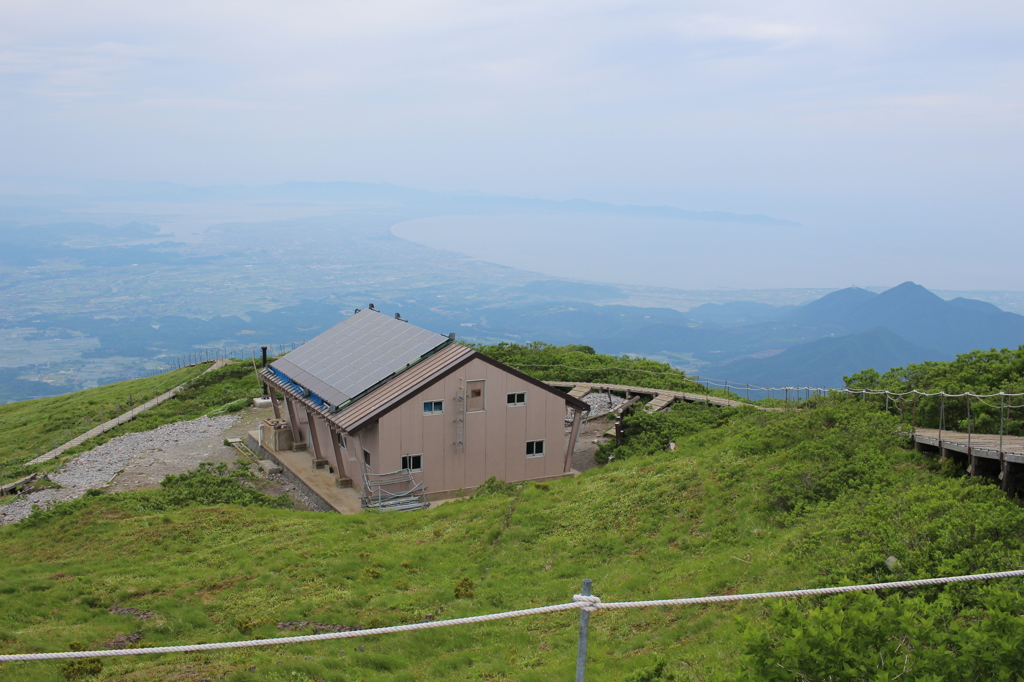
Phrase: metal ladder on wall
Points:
(460, 420)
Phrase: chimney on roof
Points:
(451, 337)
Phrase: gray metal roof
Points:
(356, 354)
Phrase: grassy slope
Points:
(34, 426)
(749, 502)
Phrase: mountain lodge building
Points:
(392, 408)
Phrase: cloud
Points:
(789, 107)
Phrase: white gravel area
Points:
(599, 403)
(96, 468)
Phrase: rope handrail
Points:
(587, 603)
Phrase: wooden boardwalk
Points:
(982, 451)
(984, 445)
(660, 397)
(116, 421)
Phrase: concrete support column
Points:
(1009, 475)
(273, 399)
(339, 456)
(577, 418)
(318, 451)
(293, 419)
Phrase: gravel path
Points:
(599, 403)
(592, 431)
(96, 468)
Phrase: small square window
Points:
(534, 448)
(515, 399)
(412, 462)
(433, 407)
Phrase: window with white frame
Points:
(433, 407)
(534, 448)
(412, 462)
(342, 442)
(515, 399)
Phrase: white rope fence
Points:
(586, 603)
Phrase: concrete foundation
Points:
(317, 484)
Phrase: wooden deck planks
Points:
(980, 444)
(660, 398)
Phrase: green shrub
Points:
(646, 433)
(655, 673)
(464, 588)
(204, 486)
(77, 668)
(496, 486)
(861, 636)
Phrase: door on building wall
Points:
(474, 396)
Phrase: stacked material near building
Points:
(396, 409)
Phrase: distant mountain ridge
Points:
(826, 361)
(394, 196)
(861, 329)
(916, 314)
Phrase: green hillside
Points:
(748, 501)
(33, 427)
(982, 372)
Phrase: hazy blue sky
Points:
(865, 119)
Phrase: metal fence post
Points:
(581, 651)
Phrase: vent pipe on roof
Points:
(357, 310)
(371, 307)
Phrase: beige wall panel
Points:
(432, 437)
(494, 457)
(370, 443)
(536, 429)
(389, 437)
(515, 444)
(536, 422)
(534, 467)
(411, 427)
(455, 462)
(495, 438)
(554, 461)
(476, 449)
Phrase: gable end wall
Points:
(495, 438)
